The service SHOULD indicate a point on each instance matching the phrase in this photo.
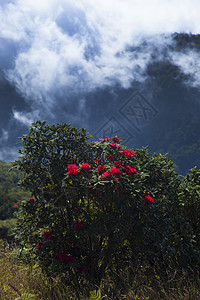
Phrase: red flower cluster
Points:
(115, 139)
(63, 257)
(129, 170)
(31, 199)
(39, 246)
(115, 171)
(79, 225)
(128, 153)
(72, 169)
(114, 146)
(148, 199)
(101, 169)
(48, 235)
(16, 203)
(96, 161)
(109, 157)
(85, 167)
(105, 175)
(117, 163)
(105, 138)
(82, 269)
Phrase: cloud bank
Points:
(54, 51)
(57, 46)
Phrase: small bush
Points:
(98, 209)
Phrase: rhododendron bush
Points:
(97, 207)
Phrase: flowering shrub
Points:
(99, 206)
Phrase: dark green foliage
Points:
(46, 150)
(190, 197)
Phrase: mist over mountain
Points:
(128, 68)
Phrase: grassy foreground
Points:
(21, 281)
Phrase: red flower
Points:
(109, 157)
(105, 138)
(129, 170)
(82, 269)
(39, 246)
(69, 259)
(48, 235)
(115, 139)
(101, 169)
(4, 239)
(115, 171)
(96, 161)
(128, 153)
(79, 225)
(148, 199)
(105, 175)
(72, 169)
(85, 167)
(31, 199)
(16, 203)
(114, 145)
(63, 257)
(117, 163)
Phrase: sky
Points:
(77, 61)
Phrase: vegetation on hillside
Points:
(175, 130)
(10, 193)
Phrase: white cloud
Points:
(189, 63)
(25, 118)
(4, 135)
(66, 47)
(8, 154)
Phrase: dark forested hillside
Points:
(176, 129)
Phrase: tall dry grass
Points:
(21, 281)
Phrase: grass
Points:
(21, 281)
